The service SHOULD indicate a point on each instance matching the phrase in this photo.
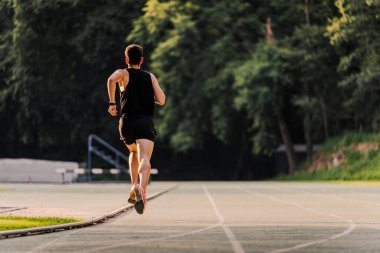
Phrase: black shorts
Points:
(132, 129)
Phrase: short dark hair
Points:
(134, 53)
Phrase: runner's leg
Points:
(144, 151)
(133, 163)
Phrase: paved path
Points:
(231, 217)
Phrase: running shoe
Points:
(132, 195)
(141, 200)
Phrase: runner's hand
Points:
(112, 110)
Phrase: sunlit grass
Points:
(14, 222)
(349, 138)
(357, 167)
(5, 189)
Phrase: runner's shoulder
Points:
(151, 75)
(146, 71)
(122, 72)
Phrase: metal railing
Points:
(107, 153)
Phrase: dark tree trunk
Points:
(307, 130)
(306, 10)
(243, 149)
(307, 124)
(289, 149)
(239, 163)
(173, 171)
(324, 118)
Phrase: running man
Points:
(139, 91)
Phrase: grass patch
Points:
(6, 189)
(347, 139)
(358, 166)
(14, 222)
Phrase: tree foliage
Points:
(225, 85)
(57, 63)
(193, 41)
(355, 32)
(261, 85)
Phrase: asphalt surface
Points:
(71, 200)
(229, 217)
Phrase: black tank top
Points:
(138, 98)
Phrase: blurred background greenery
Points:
(233, 94)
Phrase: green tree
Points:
(261, 84)
(62, 52)
(181, 59)
(198, 76)
(355, 32)
(8, 109)
(318, 95)
(270, 82)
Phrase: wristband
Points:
(111, 103)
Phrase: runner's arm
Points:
(117, 76)
(159, 95)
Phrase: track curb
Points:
(76, 225)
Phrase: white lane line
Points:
(231, 237)
(333, 196)
(347, 231)
(344, 200)
(353, 200)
